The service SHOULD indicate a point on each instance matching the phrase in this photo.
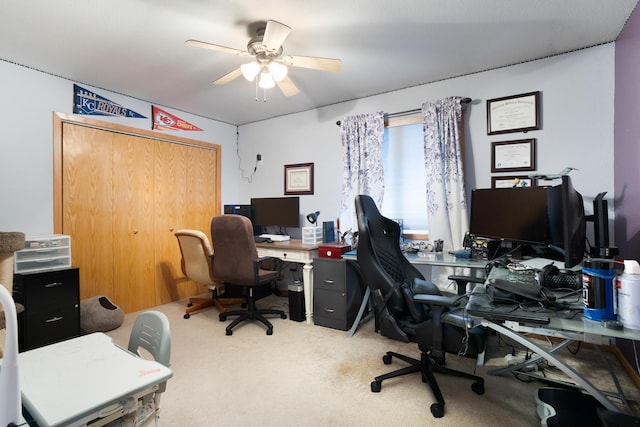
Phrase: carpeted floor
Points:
(306, 375)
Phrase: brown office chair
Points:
(196, 265)
(236, 261)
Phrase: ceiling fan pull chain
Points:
(256, 90)
(265, 95)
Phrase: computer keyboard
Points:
(276, 237)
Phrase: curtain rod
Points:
(415, 110)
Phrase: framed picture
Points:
(298, 179)
(513, 156)
(512, 181)
(517, 113)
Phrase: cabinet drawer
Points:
(46, 327)
(329, 274)
(330, 304)
(41, 290)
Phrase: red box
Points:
(332, 251)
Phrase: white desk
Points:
(295, 251)
(69, 383)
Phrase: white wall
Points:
(27, 103)
(577, 128)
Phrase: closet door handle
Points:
(135, 231)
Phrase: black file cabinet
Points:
(51, 302)
(337, 292)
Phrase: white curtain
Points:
(362, 136)
(443, 158)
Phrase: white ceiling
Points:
(136, 47)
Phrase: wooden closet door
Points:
(87, 214)
(170, 209)
(133, 232)
(202, 195)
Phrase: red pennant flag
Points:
(163, 120)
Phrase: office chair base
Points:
(197, 304)
(250, 314)
(427, 366)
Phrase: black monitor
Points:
(276, 211)
(567, 224)
(515, 214)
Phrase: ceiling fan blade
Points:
(274, 35)
(287, 87)
(211, 46)
(228, 77)
(323, 64)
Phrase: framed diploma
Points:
(517, 113)
(298, 179)
(512, 181)
(513, 156)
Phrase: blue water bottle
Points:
(598, 289)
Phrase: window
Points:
(404, 177)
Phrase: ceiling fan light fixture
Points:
(278, 71)
(266, 80)
(250, 70)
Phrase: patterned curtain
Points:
(362, 138)
(446, 204)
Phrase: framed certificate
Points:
(517, 113)
(513, 156)
(298, 179)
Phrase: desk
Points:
(568, 328)
(436, 259)
(433, 259)
(69, 383)
(295, 251)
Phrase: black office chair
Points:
(235, 261)
(410, 309)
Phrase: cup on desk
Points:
(438, 245)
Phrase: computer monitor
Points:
(567, 224)
(515, 214)
(276, 211)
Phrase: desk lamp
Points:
(11, 402)
(313, 217)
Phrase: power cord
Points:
(242, 172)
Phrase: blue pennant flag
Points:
(87, 102)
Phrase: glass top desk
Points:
(567, 324)
(432, 259)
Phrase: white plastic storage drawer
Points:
(43, 253)
(311, 235)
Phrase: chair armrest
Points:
(467, 279)
(435, 300)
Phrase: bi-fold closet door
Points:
(122, 196)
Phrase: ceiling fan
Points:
(269, 63)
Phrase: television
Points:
(514, 214)
(567, 222)
(276, 211)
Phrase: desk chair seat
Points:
(196, 265)
(236, 261)
(410, 309)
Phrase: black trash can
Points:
(297, 311)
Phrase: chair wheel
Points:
(283, 316)
(478, 387)
(190, 304)
(269, 331)
(376, 386)
(229, 332)
(437, 410)
(186, 315)
(386, 359)
(222, 317)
